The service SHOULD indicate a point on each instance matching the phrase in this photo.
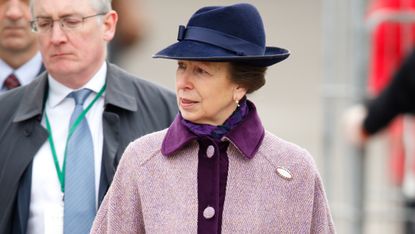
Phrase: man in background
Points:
(20, 60)
(62, 135)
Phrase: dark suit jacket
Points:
(133, 107)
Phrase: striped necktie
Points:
(79, 204)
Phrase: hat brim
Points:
(193, 50)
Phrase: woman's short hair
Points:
(250, 77)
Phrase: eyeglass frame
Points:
(61, 22)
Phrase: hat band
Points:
(235, 44)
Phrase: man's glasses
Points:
(45, 24)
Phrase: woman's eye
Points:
(201, 71)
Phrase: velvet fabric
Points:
(217, 132)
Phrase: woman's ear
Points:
(110, 25)
(238, 93)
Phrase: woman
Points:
(216, 170)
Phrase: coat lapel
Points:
(119, 94)
(29, 133)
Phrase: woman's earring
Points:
(237, 103)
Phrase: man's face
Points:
(15, 33)
(70, 54)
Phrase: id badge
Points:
(54, 219)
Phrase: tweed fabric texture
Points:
(156, 194)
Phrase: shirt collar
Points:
(24, 73)
(246, 137)
(58, 92)
(5, 71)
(29, 70)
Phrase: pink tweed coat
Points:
(152, 193)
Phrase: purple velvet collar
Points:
(217, 132)
(247, 136)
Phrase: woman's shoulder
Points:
(145, 147)
(282, 153)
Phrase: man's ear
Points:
(110, 25)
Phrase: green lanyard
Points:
(61, 173)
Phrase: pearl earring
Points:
(237, 103)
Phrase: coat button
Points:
(208, 212)
(210, 151)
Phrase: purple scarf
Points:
(217, 132)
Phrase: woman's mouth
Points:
(187, 103)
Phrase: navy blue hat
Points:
(224, 34)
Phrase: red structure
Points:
(392, 24)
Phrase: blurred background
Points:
(305, 97)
